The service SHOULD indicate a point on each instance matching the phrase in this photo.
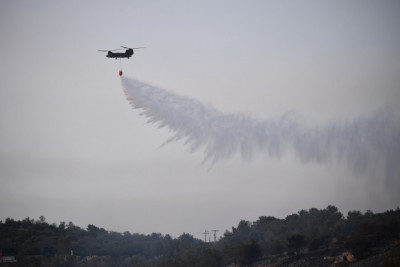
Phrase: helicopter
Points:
(127, 54)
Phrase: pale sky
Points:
(73, 149)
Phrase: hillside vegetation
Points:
(314, 237)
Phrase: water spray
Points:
(364, 143)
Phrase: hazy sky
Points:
(73, 149)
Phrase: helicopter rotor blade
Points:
(110, 50)
(133, 47)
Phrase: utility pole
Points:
(205, 235)
(215, 235)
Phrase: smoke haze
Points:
(367, 144)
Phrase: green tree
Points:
(249, 252)
(296, 242)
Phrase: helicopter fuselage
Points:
(127, 54)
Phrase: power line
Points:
(215, 235)
(205, 235)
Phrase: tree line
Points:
(39, 243)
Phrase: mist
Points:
(368, 144)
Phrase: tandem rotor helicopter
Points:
(127, 54)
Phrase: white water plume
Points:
(362, 143)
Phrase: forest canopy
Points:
(35, 242)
